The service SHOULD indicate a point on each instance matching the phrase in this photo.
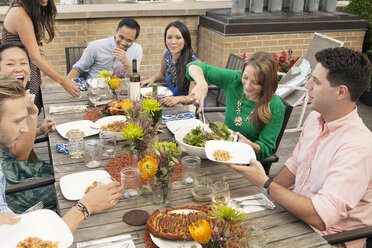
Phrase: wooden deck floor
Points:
(287, 144)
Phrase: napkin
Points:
(255, 199)
(67, 109)
(62, 148)
(81, 81)
(111, 242)
(181, 116)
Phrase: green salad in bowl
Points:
(197, 138)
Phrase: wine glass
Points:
(220, 193)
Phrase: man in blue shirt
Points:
(111, 53)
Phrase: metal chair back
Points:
(73, 54)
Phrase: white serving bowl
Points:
(192, 150)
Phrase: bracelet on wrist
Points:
(82, 208)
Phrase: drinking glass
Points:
(108, 140)
(130, 181)
(192, 166)
(93, 94)
(75, 144)
(103, 88)
(93, 153)
(220, 193)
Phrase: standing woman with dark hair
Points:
(173, 66)
(26, 22)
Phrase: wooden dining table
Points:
(279, 227)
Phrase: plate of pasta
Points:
(229, 152)
(42, 226)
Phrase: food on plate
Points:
(148, 94)
(197, 138)
(31, 242)
(114, 108)
(221, 155)
(90, 187)
(175, 226)
(116, 126)
(73, 130)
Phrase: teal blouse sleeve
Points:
(268, 135)
(222, 78)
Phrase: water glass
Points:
(93, 153)
(130, 181)
(103, 88)
(192, 167)
(75, 144)
(94, 94)
(108, 140)
(220, 193)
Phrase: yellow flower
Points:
(148, 167)
(114, 83)
(201, 231)
(126, 104)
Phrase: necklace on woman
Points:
(239, 120)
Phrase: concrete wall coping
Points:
(86, 11)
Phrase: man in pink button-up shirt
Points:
(330, 167)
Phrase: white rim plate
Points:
(83, 125)
(174, 243)
(173, 126)
(241, 153)
(108, 120)
(73, 186)
(162, 91)
(44, 224)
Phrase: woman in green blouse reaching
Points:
(253, 110)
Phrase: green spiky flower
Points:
(105, 74)
(151, 105)
(228, 214)
(133, 132)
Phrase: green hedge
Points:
(363, 8)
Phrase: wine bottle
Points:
(134, 83)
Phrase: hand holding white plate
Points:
(241, 153)
(73, 186)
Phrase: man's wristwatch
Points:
(265, 188)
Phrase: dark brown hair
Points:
(346, 67)
(43, 18)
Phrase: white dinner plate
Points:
(174, 243)
(83, 125)
(107, 120)
(173, 126)
(44, 224)
(73, 186)
(241, 153)
(162, 91)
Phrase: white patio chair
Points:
(291, 86)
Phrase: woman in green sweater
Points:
(253, 110)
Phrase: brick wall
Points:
(215, 49)
(211, 47)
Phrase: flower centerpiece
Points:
(112, 80)
(160, 166)
(227, 232)
(140, 130)
(153, 108)
(285, 61)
